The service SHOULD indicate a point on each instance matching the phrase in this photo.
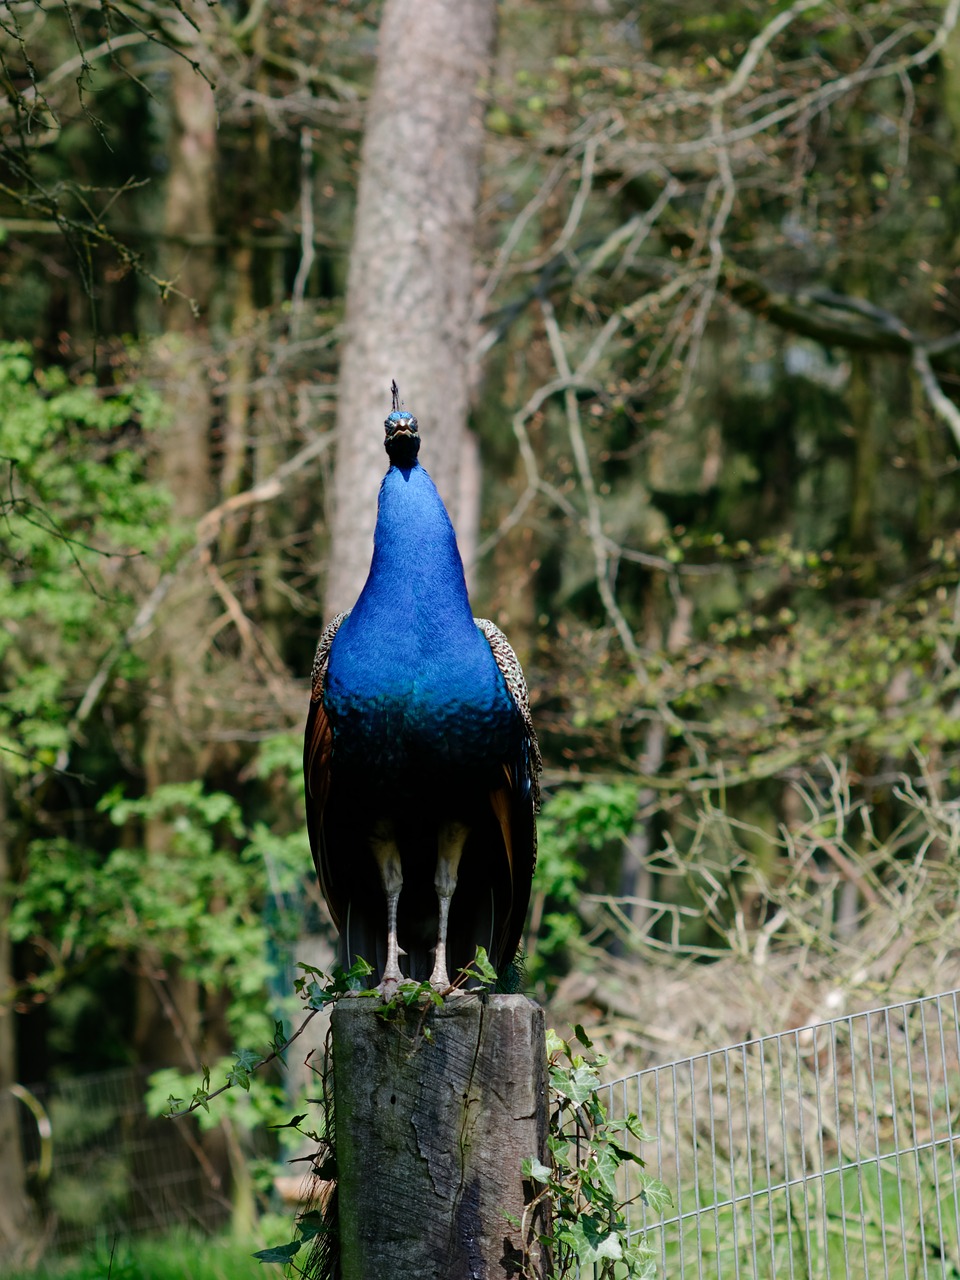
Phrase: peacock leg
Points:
(452, 838)
(384, 846)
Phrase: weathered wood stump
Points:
(434, 1114)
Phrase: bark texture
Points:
(431, 1134)
(17, 1225)
(410, 283)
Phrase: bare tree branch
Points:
(941, 404)
(207, 529)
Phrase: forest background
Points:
(701, 447)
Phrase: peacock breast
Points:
(414, 703)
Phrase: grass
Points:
(178, 1256)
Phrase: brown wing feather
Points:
(317, 753)
(512, 673)
(501, 800)
(517, 798)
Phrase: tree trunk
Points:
(410, 284)
(434, 1115)
(183, 466)
(15, 1209)
(175, 1025)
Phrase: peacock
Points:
(420, 757)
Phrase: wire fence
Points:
(828, 1152)
(99, 1166)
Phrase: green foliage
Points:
(175, 1256)
(317, 989)
(265, 1105)
(575, 822)
(197, 899)
(584, 1183)
(78, 512)
(763, 690)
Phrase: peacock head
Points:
(402, 441)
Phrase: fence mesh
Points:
(828, 1151)
(112, 1169)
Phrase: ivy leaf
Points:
(631, 1125)
(536, 1170)
(624, 1153)
(291, 1124)
(560, 1150)
(554, 1044)
(326, 1171)
(656, 1195)
(592, 1241)
(577, 1085)
(354, 979)
(605, 1166)
(245, 1061)
(312, 1224)
(279, 1253)
(480, 967)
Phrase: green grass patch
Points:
(178, 1256)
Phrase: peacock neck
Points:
(416, 575)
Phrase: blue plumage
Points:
(411, 681)
(420, 758)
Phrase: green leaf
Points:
(291, 1124)
(480, 967)
(604, 1167)
(279, 1253)
(536, 1170)
(311, 1224)
(577, 1085)
(554, 1044)
(624, 1153)
(592, 1241)
(656, 1195)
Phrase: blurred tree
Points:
(17, 1224)
(410, 293)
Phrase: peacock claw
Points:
(388, 987)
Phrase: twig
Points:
(208, 526)
(307, 251)
(271, 1057)
(598, 539)
(941, 404)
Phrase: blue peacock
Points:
(420, 758)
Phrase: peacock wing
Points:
(512, 673)
(317, 754)
(516, 799)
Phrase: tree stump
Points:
(434, 1113)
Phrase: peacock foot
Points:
(390, 983)
(441, 983)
